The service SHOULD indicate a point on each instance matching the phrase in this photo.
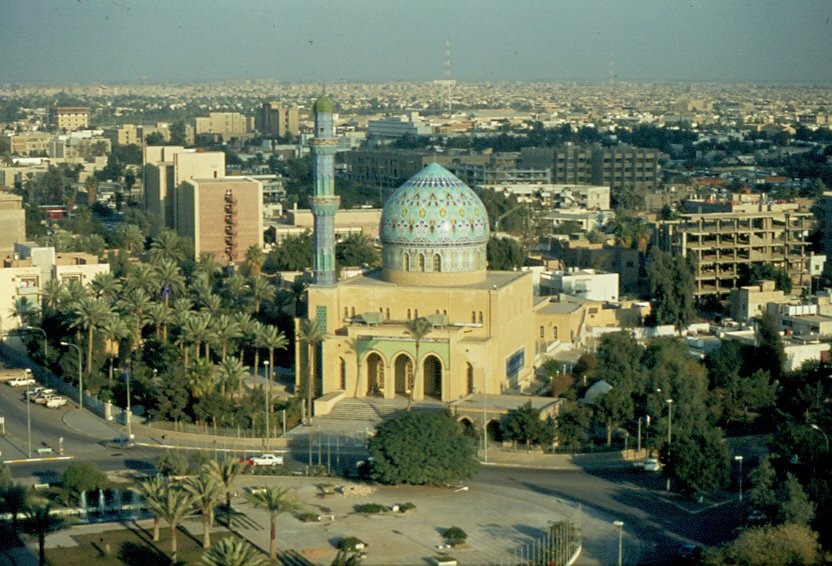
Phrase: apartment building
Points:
(616, 167)
(128, 134)
(730, 236)
(29, 144)
(276, 121)
(389, 168)
(69, 118)
(223, 216)
(13, 221)
(224, 125)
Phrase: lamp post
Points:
(669, 437)
(268, 397)
(29, 421)
(42, 331)
(129, 416)
(620, 525)
(739, 459)
(80, 375)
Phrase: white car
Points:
(55, 402)
(22, 382)
(43, 396)
(652, 465)
(267, 460)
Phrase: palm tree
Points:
(236, 292)
(152, 490)
(15, 501)
(246, 324)
(114, 329)
(160, 315)
(212, 304)
(167, 245)
(139, 276)
(136, 303)
(226, 330)
(226, 472)
(90, 313)
(258, 330)
(131, 238)
(25, 310)
(201, 377)
(273, 339)
(417, 328)
(208, 266)
(232, 551)
(105, 285)
(206, 491)
(51, 292)
(168, 279)
(172, 507)
(261, 290)
(311, 332)
(232, 375)
(197, 327)
(254, 259)
(274, 500)
(40, 522)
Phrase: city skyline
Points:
(87, 41)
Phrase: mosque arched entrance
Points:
(404, 374)
(375, 375)
(432, 376)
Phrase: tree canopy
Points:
(672, 286)
(422, 448)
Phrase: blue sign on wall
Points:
(515, 363)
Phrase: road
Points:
(655, 525)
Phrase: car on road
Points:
(265, 460)
(648, 465)
(55, 402)
(22, 381)
(7, 374)
(31, 393)
(42, 396)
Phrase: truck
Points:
(8, 374)
(265, 460)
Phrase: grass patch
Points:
(132, 546)
(370, 508)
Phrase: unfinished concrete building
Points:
(722, 237)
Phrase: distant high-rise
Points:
(324, 200)
(276, 121)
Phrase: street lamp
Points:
(268, 396)
(29, 420)
(669, 437)
(80, 375)
(42, 331)
(129, 416)
(620, 525)
(739, 459)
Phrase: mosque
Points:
(486, 326)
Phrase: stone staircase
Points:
(376, 409)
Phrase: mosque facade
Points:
(434, 232)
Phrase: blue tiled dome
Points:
(434, 208)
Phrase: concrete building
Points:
(24, 273)
(274, 120)
(29, 144)
(224, 125)
(616, 167)
(223, 216)
(388, 168)
(576, 251)
(398, 127)
(69, 118)
(720, 242)
(347, 221)
(165, 168)
(747, 303)
(13, 221)
(592, 197)
(127, 134)
(585, 283)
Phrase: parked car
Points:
(42, 396)
(21, 381)
(652, 465)
(265, 460)
(31, 393)
(55, 402)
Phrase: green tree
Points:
(572, 426)
(174, 504)
(770, 352)
(762, 494)
(15, 499)
(226, 472)
(206, 492)
(5, 478)
(294, 253)
(311, 332)
(523, 423)
(273, 339)
(177, 133)
(152, 490)
(254, 260)
(418, 328)
(795, 506)
(154, 138)
(40, 522)
(356, 250)
(274, 500)
(422, 448)
(671, 286)
(792, 545)
(697, 462)
(232, 551)
(504, 254)
(90, 313)
(82, 477)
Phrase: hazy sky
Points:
(63, 41)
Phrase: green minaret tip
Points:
(323, 104)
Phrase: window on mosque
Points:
(406, 262)
(437, 263)
(479, 317)
(421, 262)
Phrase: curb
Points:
(30, 460)
(573, 468)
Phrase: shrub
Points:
(350, 544)
(83, 477)
(404, 507)
(370, 508)
(308, 517)
(455, 536)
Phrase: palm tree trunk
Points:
(273, 539)
(310, 385)
(173, 547)
(110, 374)
(206, 530)
(269, 377)
(156, 522)
(256, 368)
(42, 549)
(89, 350)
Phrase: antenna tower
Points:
(446, 82)
(612, 70)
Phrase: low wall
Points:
(172, 437)
(324, 404)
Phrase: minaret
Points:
(324, 200)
